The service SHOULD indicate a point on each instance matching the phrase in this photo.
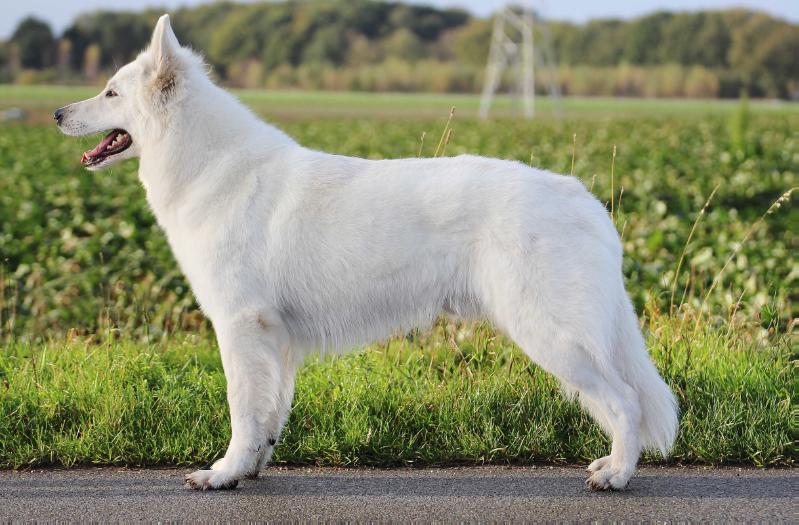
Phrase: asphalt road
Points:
(473, 493)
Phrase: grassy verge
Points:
(456, 394)
(286, 104)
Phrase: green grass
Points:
(456, 394)
(293, 104)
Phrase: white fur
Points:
(290, 250)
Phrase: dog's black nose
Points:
(58, 115)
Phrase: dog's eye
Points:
(110, 93)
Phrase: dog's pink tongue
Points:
(102, 145)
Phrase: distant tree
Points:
(644, 38)
(426, 22)
(430, 25)
(764, 53)
(469, 44)
(229, 43)
(701, 83)
(282, 44)
(777, 61)
(64, 57)
(5, 62)
(195, 26)
(79, 40)
(363, 51)
(597, 43)
(118, 35)
(366, 17)
(91, 62)
(328, 44)
(35, 43)
(695, 39)
(712, 41)
(403, 43)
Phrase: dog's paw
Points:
(598, 465)
(608, 478)
(210, 480)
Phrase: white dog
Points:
(290, 250)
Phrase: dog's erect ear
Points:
(164, 44)
(164, 47)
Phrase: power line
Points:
(513, 47)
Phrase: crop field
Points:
(107, 360)
(42, 100)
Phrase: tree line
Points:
(372, 45)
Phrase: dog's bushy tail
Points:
(659, 412)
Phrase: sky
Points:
(60, 13)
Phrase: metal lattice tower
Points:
(513, 46)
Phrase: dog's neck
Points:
(205, 129)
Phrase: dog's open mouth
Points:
(115, 142)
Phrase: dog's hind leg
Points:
(568, 331)
(611, 401)
(254, 350)
(558, 297)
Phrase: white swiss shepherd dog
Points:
(290, 251)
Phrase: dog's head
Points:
(134, 102)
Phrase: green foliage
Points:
(775, 63)
(739, 126)
(35, 44)
(56, 236)
(643, 38)
(708, 42)
(470, 43)
(120, 36)
(6, 73)
(404, 44)
(456, 394)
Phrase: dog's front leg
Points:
(275, 428)
(254, 358)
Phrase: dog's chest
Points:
(215, 259)
(216, 228)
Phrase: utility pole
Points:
(513, 47)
